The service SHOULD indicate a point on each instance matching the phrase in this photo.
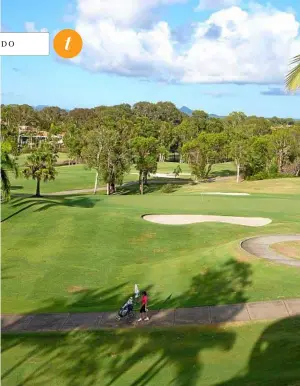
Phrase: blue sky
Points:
(173, 50)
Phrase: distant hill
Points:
(188, 111)
(40, 107)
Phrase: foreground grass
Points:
(85, 253)
(260, 354)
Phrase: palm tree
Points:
(8, 164)
(40, 166)
(293, 77)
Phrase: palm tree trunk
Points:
(5, 185)
(38, 188)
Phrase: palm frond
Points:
(5, 185)
(292, 79)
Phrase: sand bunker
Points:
(260, 247)
(182, 219)
(225, 194)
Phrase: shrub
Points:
(169, 188)
(177, 171)
(268, 176)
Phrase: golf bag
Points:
(126, 310)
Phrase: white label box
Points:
(24, 43)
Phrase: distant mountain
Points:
(186, 110)
(216, 116)
(40, 107)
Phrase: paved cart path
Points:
(210, 315)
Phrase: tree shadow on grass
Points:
(223, 173)
(88, 299)
(154, 185)
(275, 357)
(4, 272)
(215, 286)
(16, 187)
(113, 357)
(44, 203)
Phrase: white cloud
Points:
(123, 12)
(216, 4)
(30, 27)
(232, 45)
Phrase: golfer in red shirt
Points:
(144, 309)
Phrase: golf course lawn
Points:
(256, 354)
(79, 177)
(276, 186)
(21, 158)
(85, 253)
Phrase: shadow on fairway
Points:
(106, 357)
(223, 285)
(155, 185)
(275, 358)
(21, 204)
(5, 272)
(223, 173)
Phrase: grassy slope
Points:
(260, 354)
(102, 246)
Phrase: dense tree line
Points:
(111, 139)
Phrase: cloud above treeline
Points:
(216, 4)
(232, 45)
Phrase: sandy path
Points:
(181, 219)
(260, 247)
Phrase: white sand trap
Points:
(182, 219)
(225, 194)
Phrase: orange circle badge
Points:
(67, 43)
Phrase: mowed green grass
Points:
(220, 169)
(21, 158)
(257, 354)
(76, 177)
(68, 178)
(86, 253)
